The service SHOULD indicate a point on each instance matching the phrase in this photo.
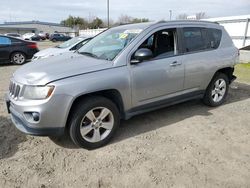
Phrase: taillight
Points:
(32, 45)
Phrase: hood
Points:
(47, 70)
(51, 52)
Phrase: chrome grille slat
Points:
(14, 89)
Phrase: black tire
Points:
(53, 40)
(18, 61)
(80, 111)
(208, 97)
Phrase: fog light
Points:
(35, 116)
(32, 116)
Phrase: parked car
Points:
(42, 35)
(122, 72)
(16, 50)
(16, 35)
(47, 35)
(58, 37)
(31, 36)
(68, 46)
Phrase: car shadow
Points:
(167, 116)
(173, 114)
(10, 138)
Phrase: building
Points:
(35, 27)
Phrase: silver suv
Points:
(122, 72)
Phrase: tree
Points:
(96, 23)
(73, 22)
(200, 15)
(140, 20)
(182, 16)
(124, 19)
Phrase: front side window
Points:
(194, 39)
(109, 44)
(162, 43)
(5, 41)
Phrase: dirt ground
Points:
(186, 145)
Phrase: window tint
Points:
(162, 43)
(15, 41)
(194, 39)
(5, 41)
(214, 37)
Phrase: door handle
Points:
(175, 63)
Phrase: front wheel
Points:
(217, 90)
(93, 122)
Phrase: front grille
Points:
(14, 89)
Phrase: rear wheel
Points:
(18, 58)
(217, 90)
(53, 40)
(93, 122)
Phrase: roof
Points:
(18, 28)
(179, 22)
(32, 22)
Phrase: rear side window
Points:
(5, 41)
(214, 37)
(194, 39)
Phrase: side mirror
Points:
(142, 54)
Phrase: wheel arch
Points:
(111, 94)
(228, 71)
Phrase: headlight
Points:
(37, 92)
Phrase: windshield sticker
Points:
(123, 35)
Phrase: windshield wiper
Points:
(89, 54)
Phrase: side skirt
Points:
(163, 103)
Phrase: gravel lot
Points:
(186, 145)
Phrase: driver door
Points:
(162, 76)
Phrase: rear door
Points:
(5, 48)
(199, 57)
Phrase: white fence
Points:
(237, 27)
(91, 32)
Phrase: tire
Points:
(53, 40)
(93, 122)
(217, 90)
(18, 58)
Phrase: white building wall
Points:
(236, 28)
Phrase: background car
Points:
(16, 35)
(16, 50)
(68, 46)
(42, 35)
(31, 36)
(59, 37)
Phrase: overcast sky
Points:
(55, 11)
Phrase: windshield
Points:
(108, 44)
(70, 42)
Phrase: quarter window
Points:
(214, 37)
(194, 39)
(5, 41)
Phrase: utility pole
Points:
(170, 14)
(108, 12)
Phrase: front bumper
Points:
(38, 129)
